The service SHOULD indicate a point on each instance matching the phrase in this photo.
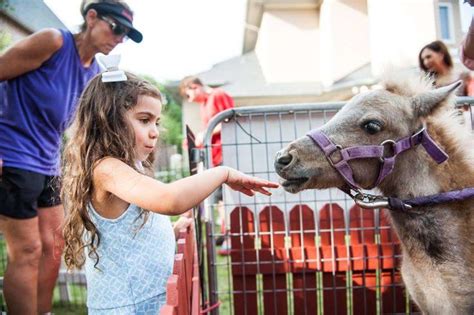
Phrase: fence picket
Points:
(334, 258)
(182, 289)
(303, 259)
(243, 257)
(273, 261)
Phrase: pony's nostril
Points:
(285, 159)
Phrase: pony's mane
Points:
(406, 84)
(450, 122)
(458, 139)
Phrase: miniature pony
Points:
(437, 240)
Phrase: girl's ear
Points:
(425, 103)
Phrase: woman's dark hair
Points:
(439, 47)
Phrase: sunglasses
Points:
(116, 28)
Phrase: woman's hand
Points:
(248, 184)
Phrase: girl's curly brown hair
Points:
(99, 129)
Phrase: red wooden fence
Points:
(182, 289)
(356, 264)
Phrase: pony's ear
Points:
(426, 102)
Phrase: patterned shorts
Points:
(151, 306)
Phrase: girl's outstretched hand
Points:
(248, 184)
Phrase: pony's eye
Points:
(372, 126)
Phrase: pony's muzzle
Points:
(283, 159)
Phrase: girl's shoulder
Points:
(108, 168)
(110, 175)
(115, 176)
(108, 162)
(104, 175)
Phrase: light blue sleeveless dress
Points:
(134, 263)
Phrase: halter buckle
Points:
(330, 154)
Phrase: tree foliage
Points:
(5, 37)
(5, 40)
(4, 4)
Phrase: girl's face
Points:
(144, 119)
(432, 60)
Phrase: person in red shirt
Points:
(212, 101)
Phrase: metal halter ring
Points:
(393, 144)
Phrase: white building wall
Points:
(398, 31)
(344, 41)
(192, 116)
(288, 45)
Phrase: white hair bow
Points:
(112, 72)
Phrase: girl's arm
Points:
(30, 53)
(114, 176)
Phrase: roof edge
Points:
(15, 20)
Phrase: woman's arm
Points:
(114, 176)
(30, 53)
(468, 47)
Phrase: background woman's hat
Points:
(120, 14)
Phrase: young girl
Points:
(117, 223)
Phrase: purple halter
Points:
(339, 157)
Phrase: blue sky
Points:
(181, 37)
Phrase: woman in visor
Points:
(41, 78)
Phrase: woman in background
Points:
(435, 60)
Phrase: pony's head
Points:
(375, 118)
